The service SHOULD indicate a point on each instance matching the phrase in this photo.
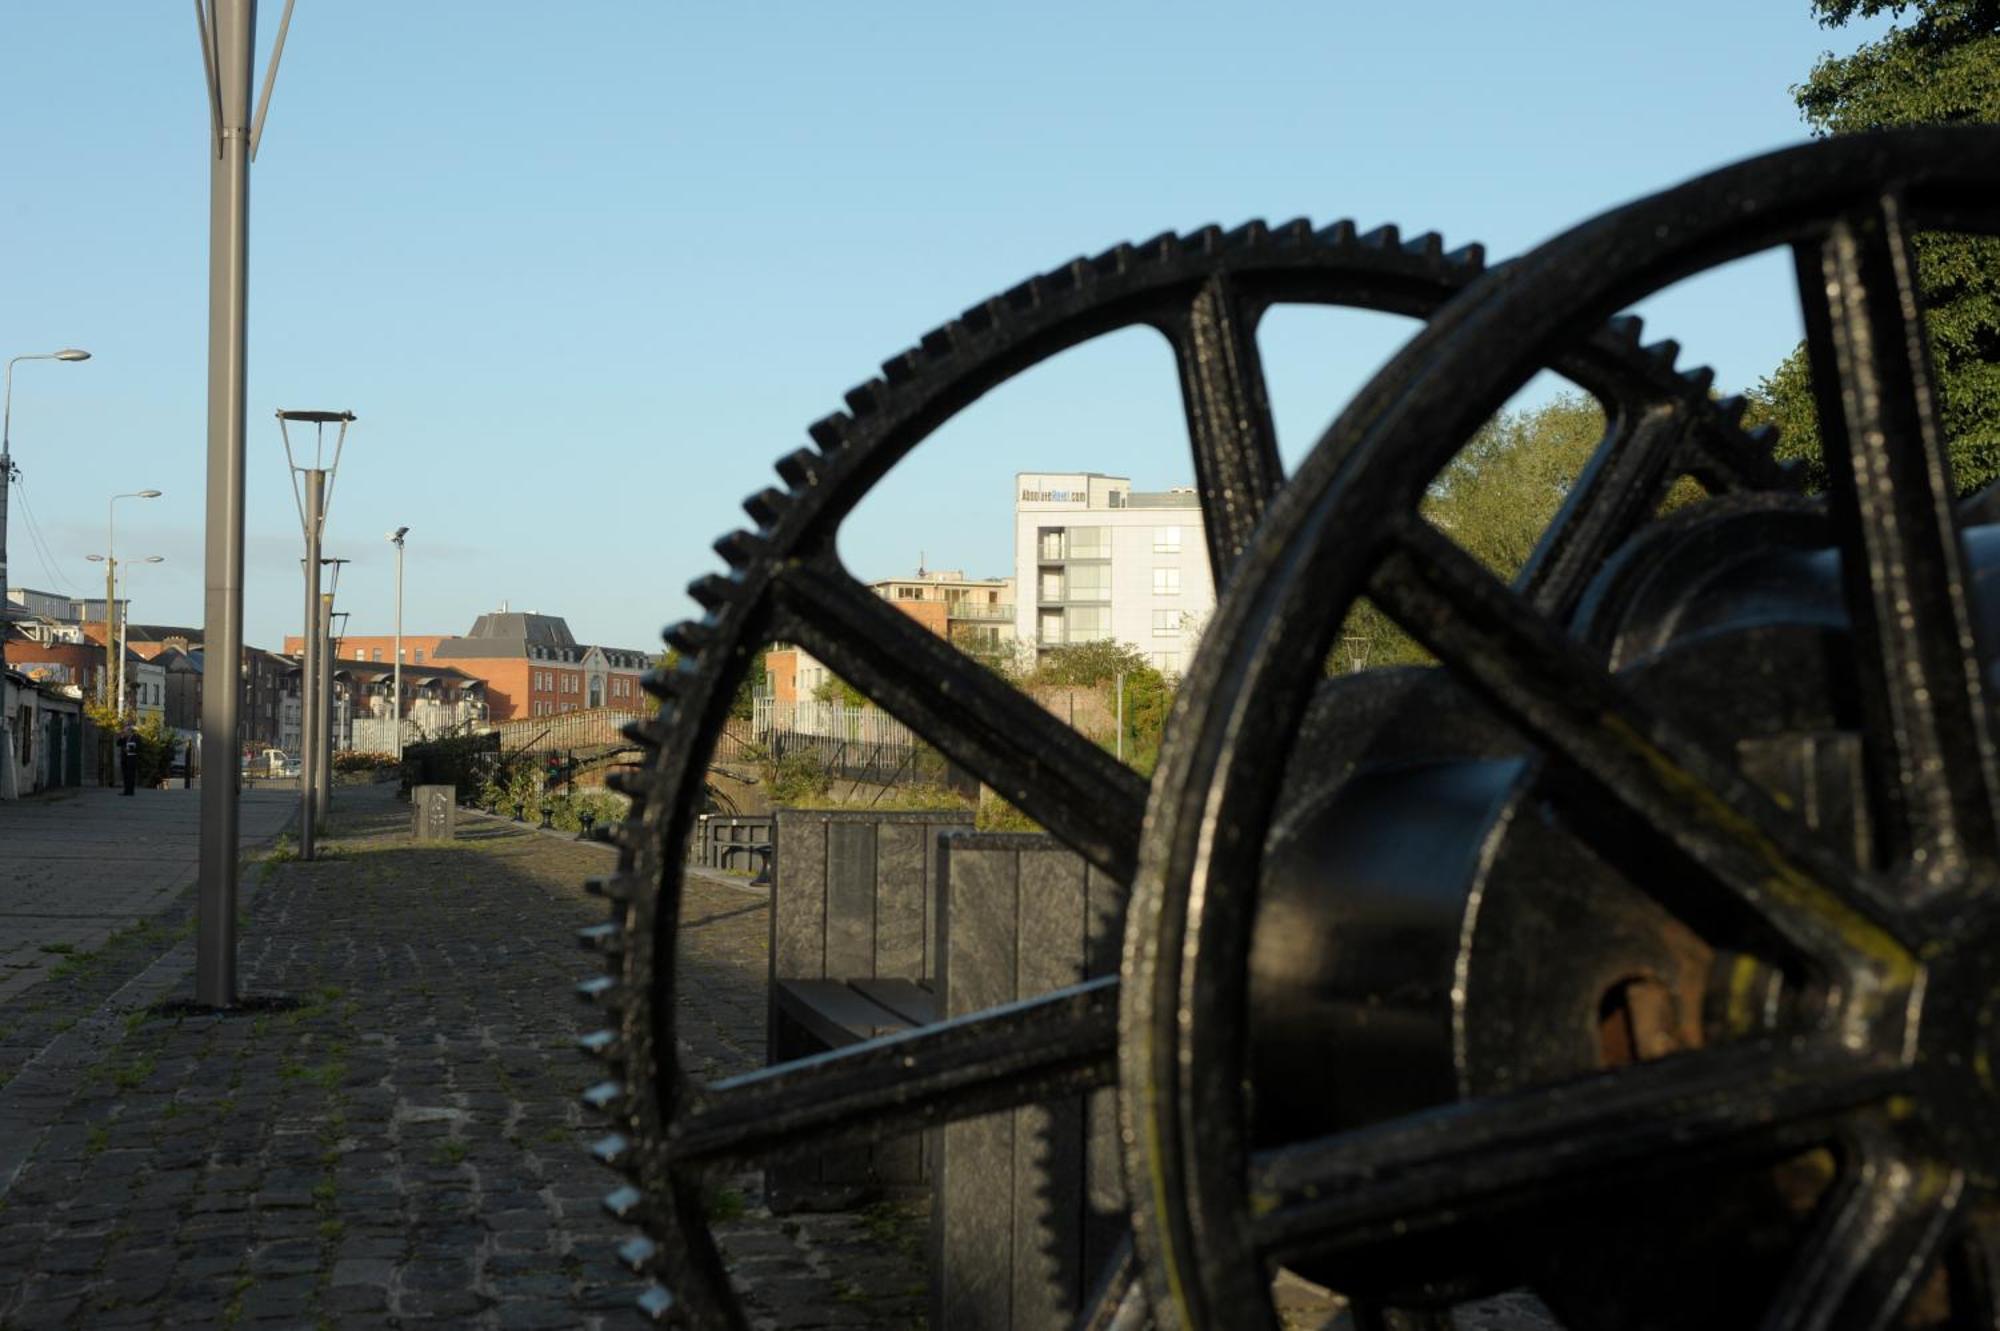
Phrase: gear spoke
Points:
(1618, 490)
(1433, 1170)
(1877, 1236)
(1228, 406)
(1069, 785)
(1763, 861)
(1923, 692)
(1055, 1044)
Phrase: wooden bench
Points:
(853, 955)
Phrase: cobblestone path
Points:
(404, 1147)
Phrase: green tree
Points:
(1495, 499)
(1941, 66)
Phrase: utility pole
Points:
(110, 628)
(228, 30)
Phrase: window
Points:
(375, 654)
(1166, 540)
(1051, 630)
(1052, 584)
(419, 658)
(1166, 582)
(1090, 582)
(1050, 542)
(1166, 623)
(1089, 542)
(1088, 623)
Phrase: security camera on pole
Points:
(312, 487)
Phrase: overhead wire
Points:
(43, 554)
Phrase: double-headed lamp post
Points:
(111, 616)
(116, 638)
(396, 689)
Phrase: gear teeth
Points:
(1250, 234)
(619, 886)
(711, 591)
(607, 1097)
(607, 938)
(662, 684)
(1732, 408)
(643, 732)
(831, 432)
(598, 991)
(1472, 258)
(1340, 233)
(1208, 240)
(1295, 232)
(1663, 353)
(802, 469)
(767, 506)
(1026, 296)
(1430, 246)
(613, 1149)
(624, 1202)
(900, 370)
(739, 548)
(1699, 380)
(941, 343)
(657, 1304)
(1383, 238)
(866, 399)
(631, 782)
(636, 1254)
(690, 637)
(1627, 328)
(1113, 261)
(600, 1044)
(1061, 281)
(1159, 247)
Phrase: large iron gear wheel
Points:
(1881, 1052)
(1204, 292)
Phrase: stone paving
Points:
(402, 1147)
(79, 865)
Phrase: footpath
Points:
(401, 1146)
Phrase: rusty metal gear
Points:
(1204, 291)
(1858, 916)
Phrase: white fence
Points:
(831, 720)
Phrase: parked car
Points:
(276, 762)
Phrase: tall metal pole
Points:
(396, 689)
(315, 498)
(228, 47)
(124, 630)
(323, 718)
(110, 627)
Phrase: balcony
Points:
(980, 611)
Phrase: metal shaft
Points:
(222, 624)
(323, 746)
(396, 694)
(315, 498)
(124, 629)
(104, 694)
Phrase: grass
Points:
(94, 1143)
(58, 949)
(136, 1073)
(725, 1205)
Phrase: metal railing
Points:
(830, 720)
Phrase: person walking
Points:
(128, 749)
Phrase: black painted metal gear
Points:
(1204, 292)
(1872, 1038)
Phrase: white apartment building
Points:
(1096, 559)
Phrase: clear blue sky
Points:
(584, 271)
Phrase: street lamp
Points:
(396, 694)
(110, 592)
(312, 487)
(7, 777)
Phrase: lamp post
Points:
(324, 747)
(7, 777)
(125, 627)
(111, 591)
(396, 689)
(312, 487)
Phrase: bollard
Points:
(548, 816)
(520, 811)
(588, 821)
